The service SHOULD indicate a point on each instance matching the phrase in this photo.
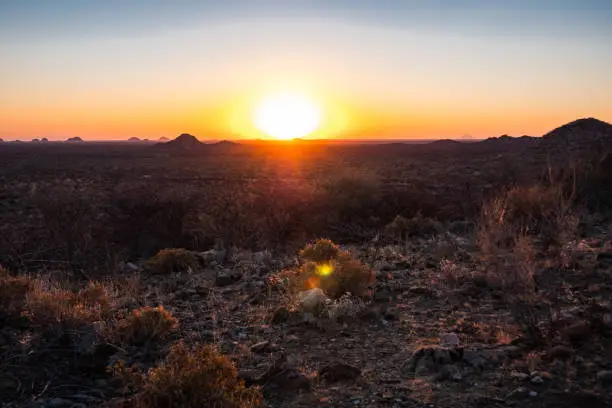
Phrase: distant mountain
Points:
(185, 142)
(1, 140)
(74, 140)
(163, 139)
(35, 141)
(44, 140)
(133, 139)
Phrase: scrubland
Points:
(305, 275)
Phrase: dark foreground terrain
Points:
(193, 275)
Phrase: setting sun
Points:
(287, 116)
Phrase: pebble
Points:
(605, 377)
(519, 375)
(537, 380)
(533, 394)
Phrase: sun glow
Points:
(286, 116)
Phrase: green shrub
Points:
(145, 325)
(195, 378)
(172, 260)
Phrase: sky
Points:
(116, 69)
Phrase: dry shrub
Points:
(146, 325)
(13, 293)
(194, 378)
(53, 308)
(173, 260)
(328, 267)
(418, 226)
(521, 223)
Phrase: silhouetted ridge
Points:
(133, 139)
(184, 142)
(588, 127)
(74, 140)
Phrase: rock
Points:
(449, 340)
(428, 361)
(226, 277)
(312, 301)
(391, 314)
(578, 332)
(605, 377)
(291, 380)
(519, 376)
(537, 380)
(281, 315)
(519, 393)
(561, 352)
(339, 372)
(533, 394)
(260, 347)
(474, 359)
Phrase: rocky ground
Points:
(430, 335)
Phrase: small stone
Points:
(519, 375)
(561, 352)
(260, 347)
(605, 377)
(339, 372)
(449, 340)
(313, 300)
(533, 394)
(537, 380)
(280, 315)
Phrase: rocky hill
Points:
(184, 142)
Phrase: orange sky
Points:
(391, 76)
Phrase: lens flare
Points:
(325, 269)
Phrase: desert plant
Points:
(333, 270)
(199, 377)
(13, 293)
(172, 260)
(146, 325)
(418, 226)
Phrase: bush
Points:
(172, 260)
(417, 226)
(13, 292)
(146, 325)
(328, 267)
(193, 379)
(519, 224)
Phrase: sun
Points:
(287, 115)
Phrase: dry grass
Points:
(402, 228)
(199, 377)
(521, 224)
(146, 325)
(173, 260)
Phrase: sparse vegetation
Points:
(146, 325)
(198, 377)
(173, 260)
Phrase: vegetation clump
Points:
(418, 226)
(172, 260)
(146, 325)
(194, 378)
(329, 268)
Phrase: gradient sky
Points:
(114, 69)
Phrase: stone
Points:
(261, 347)
(280, 315)
(291, 380)
(537, 380)
(226, 277)
(474, 359)
(605, 377)
(313, 300)
(561, 352)
(449, 340)
(519, 375)
(339, 372)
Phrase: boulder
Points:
(312, 300)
